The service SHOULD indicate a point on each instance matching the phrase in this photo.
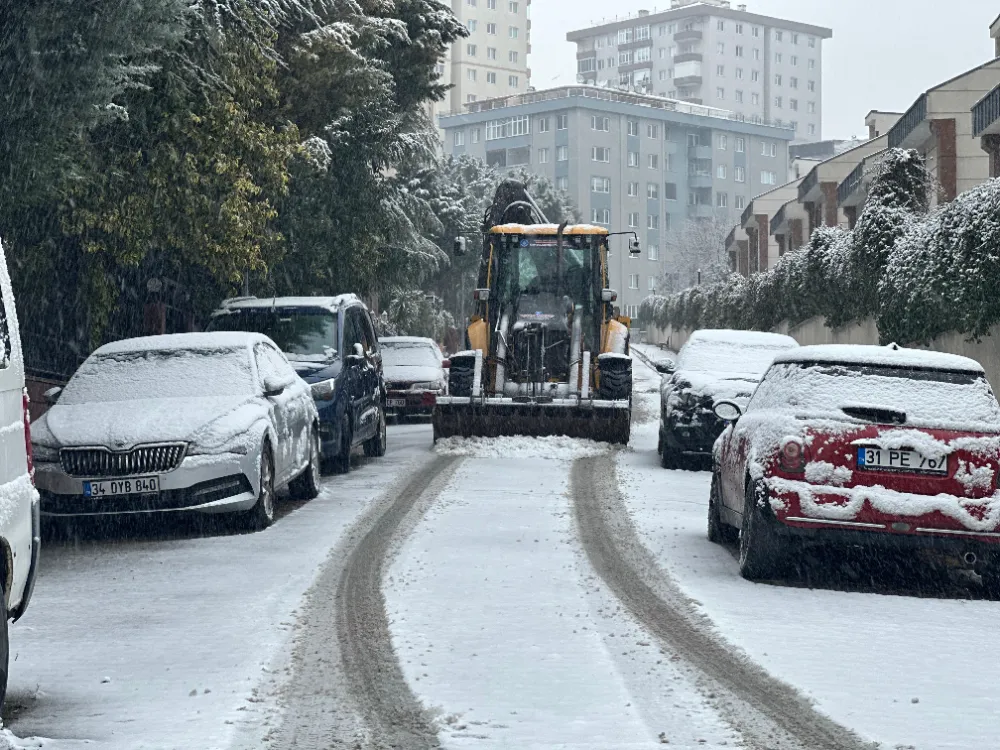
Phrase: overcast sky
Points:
(883, 54)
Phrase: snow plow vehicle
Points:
(547, 353)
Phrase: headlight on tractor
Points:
(323, 390)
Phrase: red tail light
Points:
(794, 455)
(27, 434)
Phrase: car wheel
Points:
(760, 549)
(375, 447)
(719, 532)
(261, 515)
(341, 463)
(4, 648)
(306, 485)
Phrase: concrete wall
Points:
(815, 331)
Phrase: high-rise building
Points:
(766, 69)
(493, 60)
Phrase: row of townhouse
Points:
(954, 126)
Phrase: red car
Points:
(879, 447)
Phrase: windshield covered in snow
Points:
(303, 334)
(409, 354)
(928, 397)
(173, 373)
(727, 356)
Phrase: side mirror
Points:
(273, 386)
(445, 364)
(608, 295)
(51, 396)
(665, 367)
(727, 411)
(481, 295)
(461, 246)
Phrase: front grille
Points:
(102, 462)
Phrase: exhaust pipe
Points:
(970, 558)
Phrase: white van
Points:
(19, 509)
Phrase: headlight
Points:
(44, 453)
(426, 386)
(323, 390)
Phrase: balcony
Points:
(692, 99)
(986, 114)
(908, 124)
(701, 211)
(687, 81)
(688, 57)
(688, 35)
(700, 180)
(699, 152)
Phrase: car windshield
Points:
(171, 373)
(409, 354)
(926, 396)
(304, 334)
(727, 356)
(534, 270)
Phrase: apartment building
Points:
(709, 52)
(493, 60)
(630, 163)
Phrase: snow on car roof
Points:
(326, 303)
(743, 338)
(405, 340)
(891, 356)
(177, 341)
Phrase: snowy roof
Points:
(891, 356)
(326, 303)
(548, 229)
(405, 340)
(743, 338)
(214, 340)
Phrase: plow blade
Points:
(604, 421)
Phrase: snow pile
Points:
(553, 447)
(823, 472)
(8, 741)
(974, 478)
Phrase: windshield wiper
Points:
(876, 414)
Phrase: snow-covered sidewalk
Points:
(160, 642)
(502, 628)
(905, 671)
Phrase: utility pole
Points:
(699, 277)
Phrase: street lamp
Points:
(699, 277)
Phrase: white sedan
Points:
(208, 422)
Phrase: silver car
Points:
(208, 422)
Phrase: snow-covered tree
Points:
(697, 244)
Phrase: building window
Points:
(720, 48)
(778, 35)
(793, 104)
(512, 56)
(599, 153)
(473, 25)
(670, 191)
(491, 28)
(720, 25)
(723, 142)
(507, 127)
(777, 57)
(794, 125)
(740, 202)
(755, 75)
(720, 70)
(562, 122)
(633, 158)
(633, 220)
(739, 174)
(633, 189)
(543, 156)
(491, 77)
(470, 98)
(642, 32)
(738, 95)
(600, 123)
(491, 53)
(777, 102)
(512, 32)
(755, 98)
(774, 150)
(654, 161)
(633, 127)
(652, 221)
(720, 171)
(812, 129)
(471, 3)
(491, 4)
(756, 30)
(513, 81)
(633, 281)
(795, 37)
(653, 131)
(739, 74)
(812, 65)
(777, 79)
(768, 178)
(562, 183)
(722, 200)
(811, 85)
(562, 153)
(653, 190)
(654, 251)
(470, 50)
(643, 54)
(600, 184)
(471, 73)
(741, 145)
(600, 215)
(756, 53)
(739, 28)
(459, 138)
(720, 93)
(543, 124)
(812, 41)
(793, 82)
(811, 107)
(652, 280)
(475, 135)
(624, 36)
(794, 59)
(512, 6)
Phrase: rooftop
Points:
(182, 341)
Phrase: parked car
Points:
(883, 447)
(415, 374)
(331, 343)
(712, 365)
(20, 538)
(207, 422)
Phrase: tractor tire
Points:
(616, 379)
(461, 376)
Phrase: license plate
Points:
(135, 486)
(396, 403)
(900, 459)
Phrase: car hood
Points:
(413, 374)
(720, 385)
(314, 372)
(123, 424)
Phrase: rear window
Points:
(403, 354)
(927, 397)
(725, 356)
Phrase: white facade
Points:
(766, 69)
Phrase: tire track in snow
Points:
(770, 714)
(344, 648)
